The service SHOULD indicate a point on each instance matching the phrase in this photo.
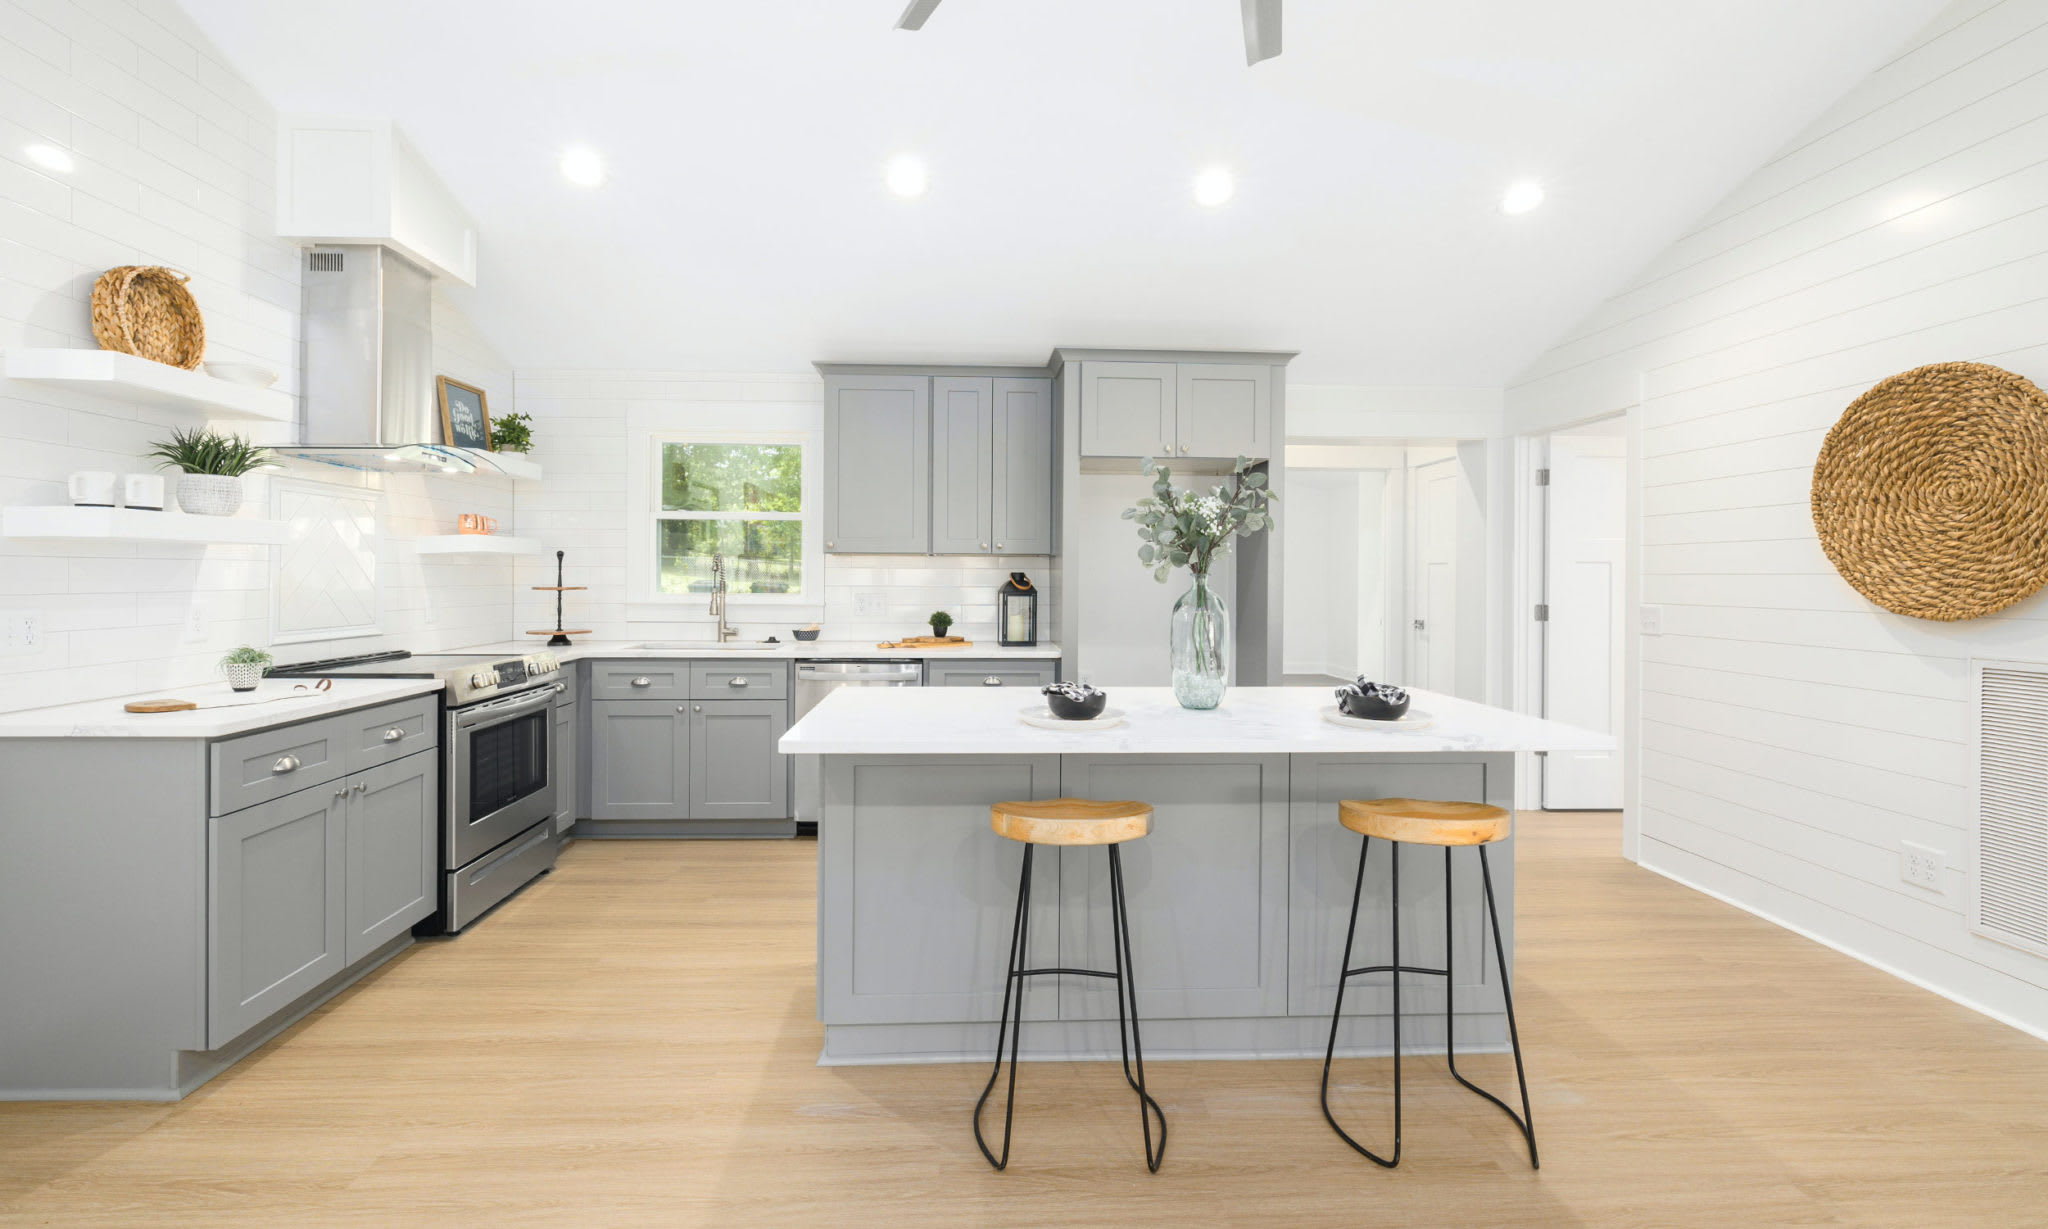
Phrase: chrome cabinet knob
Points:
(362, 787)
(697, 708)
(984, 546)
(285, 763)
(342, 792)
(560, 688)
(999, 546)
(991, 681)
(643, 681)
(738, 680)
(393, 734)
(830, 545)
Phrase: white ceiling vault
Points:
(745, 225)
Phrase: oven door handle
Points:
(495, 711)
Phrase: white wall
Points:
(1792, 734)
(581, 428)
(174, 165)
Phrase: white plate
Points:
(1042, 717)
(1411, 720)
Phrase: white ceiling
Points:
(745, 226)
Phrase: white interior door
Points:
(1583, 578)
(1433, 591)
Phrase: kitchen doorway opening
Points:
(1582, 624)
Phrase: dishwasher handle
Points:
(809, 674)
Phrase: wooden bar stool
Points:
(1413, 821)
(1072, 821)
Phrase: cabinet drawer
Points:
(989, 673)
(391, 732)
(272, 763)
(739, 680)
(639, 680)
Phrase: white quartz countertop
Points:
(816, 650)
(281, 703)
(1250, 721)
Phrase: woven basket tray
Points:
(146, 311)
(1930, 495)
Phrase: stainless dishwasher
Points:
(814, 681)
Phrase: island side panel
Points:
(917, 895)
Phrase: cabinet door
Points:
(1226, 410)
(566, 757)
(1022, 501)
(276, 922)
(963, 447)
(1127, 409)
(392, 848)
(739, 773)
(878, 464)
(639, 760)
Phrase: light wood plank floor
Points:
(631, 1042)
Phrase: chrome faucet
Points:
(726, 631)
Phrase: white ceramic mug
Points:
(93, 489)
(144, 491)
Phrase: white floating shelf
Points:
(510, 464)
(107, 373)
(477, 544)
(136, 525)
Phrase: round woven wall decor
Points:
(1931, 493)
(146, 311)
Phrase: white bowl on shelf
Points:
(254, 375)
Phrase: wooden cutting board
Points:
(927, 642)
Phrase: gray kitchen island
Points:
(1237, 899)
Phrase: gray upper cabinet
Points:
(738, 772)
(639, 759)
(1021, 505)
(1225, 410)
(963, 460)
(392, 851)
(276, 921)
(878, 464)
(1127, 409)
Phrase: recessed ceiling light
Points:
(583, 167)
(52, 157)
(1522, 196)
(1214, 187)
(906, 176)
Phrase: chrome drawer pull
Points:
(991, 681)
(285, 763)
(737, 681)
(643, 681)
(393, 734)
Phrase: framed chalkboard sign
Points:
(465, 419)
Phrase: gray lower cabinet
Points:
(566, 761)
(639, 759)
(393, 851)
(1027, 672)
(277, 921)
(877, 464)
(737, 772)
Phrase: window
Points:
(742, 500)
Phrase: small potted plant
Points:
(940, 621)
(213, 465)
(512, 433)
(244, 667)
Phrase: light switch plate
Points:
(1652, 620)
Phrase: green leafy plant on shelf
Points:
(204, 451)
(940, 621)
(244, 667)
(512, 433)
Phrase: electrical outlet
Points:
(21, 632)
(195, 626)
(870, 604)
(1652, 620)
(1921, 865)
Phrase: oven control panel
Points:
(483, 681)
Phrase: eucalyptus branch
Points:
(1182, 529)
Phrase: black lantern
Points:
(1017, 611)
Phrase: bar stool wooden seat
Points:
(1421, 821)
(1072, 821)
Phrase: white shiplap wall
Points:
(580, 431)
(174, 165)
(1792, 734)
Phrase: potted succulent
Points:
(512, 433)
(244, 667)
(213, 465)
(940, 621)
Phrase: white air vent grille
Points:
(2009, 824)
(324, 262)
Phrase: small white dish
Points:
(1040, 716)
(1413, 719)
(252, 374)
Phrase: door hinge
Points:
(1543, 477)
(1542, 612)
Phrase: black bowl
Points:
(1067, 709)
(805, 633)
(1370, 706)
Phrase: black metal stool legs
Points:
(1128, 1040)
(1524, 1121)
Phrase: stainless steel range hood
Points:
(366, 369)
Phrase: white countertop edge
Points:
(795, 650)
(107, 719)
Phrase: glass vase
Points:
(1201, 644)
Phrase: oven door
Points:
(500, 774)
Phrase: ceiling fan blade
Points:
(1261, 29)
(913, 17)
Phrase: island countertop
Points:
(1251, 720)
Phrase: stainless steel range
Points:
(497, 777)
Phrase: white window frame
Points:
(643, 500)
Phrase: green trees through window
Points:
(744, 501)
